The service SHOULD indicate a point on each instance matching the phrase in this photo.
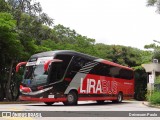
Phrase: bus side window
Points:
(114, 71)
(126, 74)
(101, 69)
(58, 69)
(75, 66)
(107, 70)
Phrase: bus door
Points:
(58, 71)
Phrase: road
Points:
(89, 107)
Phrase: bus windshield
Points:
(35, 75)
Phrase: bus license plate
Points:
(50, 96)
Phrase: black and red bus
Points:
(68, 76)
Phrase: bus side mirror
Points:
(19, 65)
(46, 65)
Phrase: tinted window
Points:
(126, 74)
(58, 69)
(75, 66)
(66, 59)
(114, 71)
(111, 71)
(101, 69)
(78, 63)
(56, 72)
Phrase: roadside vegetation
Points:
(154, 98)
(25, 30)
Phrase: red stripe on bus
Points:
(42, 99)
(100, 98)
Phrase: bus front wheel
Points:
(71, 98)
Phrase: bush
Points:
(140, 84)
(154, 98)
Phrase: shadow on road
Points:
(84, 104)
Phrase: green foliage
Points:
(10, 48)
(157, 80)
(9, 37)
(153, 46)
(140, 83)
(151, 2)
(127, 56)
(4, 7)
(156, 50)
(102, 50)
(146, 56)
(18, 42)
(6, 21)
(154, 98)
(155, 3)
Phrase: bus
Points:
(69, 76)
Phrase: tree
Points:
(10, 46)
(30, 7)
(29, 18)
(120, 54)
(4, 7)
(64, 34)
(156, 50)
(154, 3)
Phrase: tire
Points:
(119, 98)
(100, 101)
(71, 98)
(49, 103)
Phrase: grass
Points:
(154, 98)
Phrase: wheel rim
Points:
(119, 97)
(70, 98)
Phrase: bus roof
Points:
(70, 52)
(115, 64)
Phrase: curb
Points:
(17, 102)
(150, 105)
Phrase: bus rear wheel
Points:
(49, 103)
(119, 98)
(71, 98)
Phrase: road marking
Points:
(16, 109)
(18, 118)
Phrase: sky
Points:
(118, 22)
